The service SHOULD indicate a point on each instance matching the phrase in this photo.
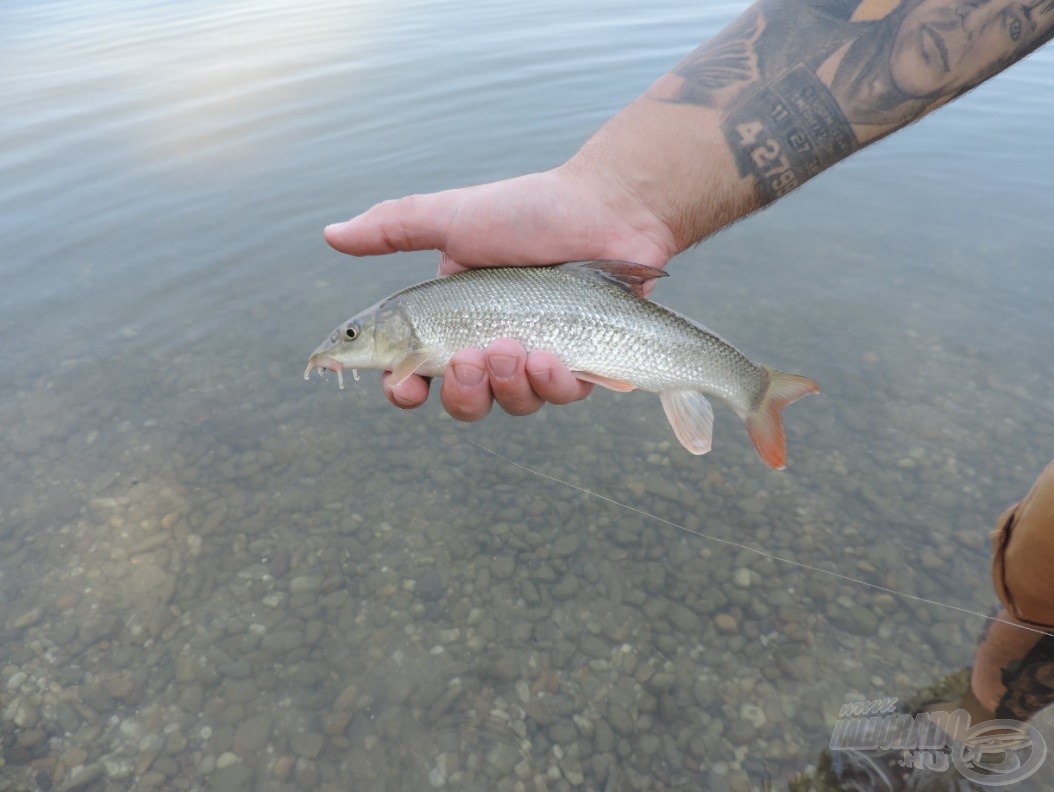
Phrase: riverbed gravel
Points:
(230, 598)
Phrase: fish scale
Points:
(593, 317)
(591, 324)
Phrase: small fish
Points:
(592, 315)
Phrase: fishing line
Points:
(758, 551)
(727, 542)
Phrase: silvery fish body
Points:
(591, 315)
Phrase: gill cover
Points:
(396, 346)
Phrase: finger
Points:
(411, 392)
(416, 222)
(553, 381)
(466, 393)
(506, 366)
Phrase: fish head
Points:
(373, 339)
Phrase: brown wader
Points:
(1013, 673)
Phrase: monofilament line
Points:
(730, 543)
(758, 551)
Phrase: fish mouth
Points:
(324, 364)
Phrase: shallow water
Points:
(216, 576)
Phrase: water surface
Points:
(214, 575)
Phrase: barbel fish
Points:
(592, 315)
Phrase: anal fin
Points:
(692, 418)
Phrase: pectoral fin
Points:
(691, 417)
(617, 385)
(408, 365)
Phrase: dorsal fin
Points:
(627, 274)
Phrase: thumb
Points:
(416, 222)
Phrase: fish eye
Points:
(351, 332)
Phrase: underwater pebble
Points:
(262, 607)
(307, 745)
(726, 623)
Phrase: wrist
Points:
(668, 161)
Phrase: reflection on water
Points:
(216, 576)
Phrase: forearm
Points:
(790, 88)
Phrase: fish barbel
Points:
(592, 316)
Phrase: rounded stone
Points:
(565, 545)
(562, 732)
(726, 622)
(503, 567)
(241, 691)
(305, 583)
(307, 745)
(252, 734)
(503, 666)
(429, 586)
(620, 720)
(649, 744)
(16, 680)
(226, 759)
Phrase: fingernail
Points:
(502, 366)
(468, 374)
(332, 227)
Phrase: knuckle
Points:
(402, 402)
(521, 410)
(520, 403)
(466, 407)
(467, 414)
(570, 392)
(408, 395)
(561, 397)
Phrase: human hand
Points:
(567, 214)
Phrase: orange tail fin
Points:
(764, 424)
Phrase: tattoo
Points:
(728, 60)
(1029, 683)
(804, 83)
(787, 132)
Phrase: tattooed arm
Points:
(784, 92)
(793, 86)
